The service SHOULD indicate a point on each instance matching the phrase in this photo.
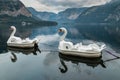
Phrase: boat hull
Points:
(24, 50)
(88, 54)
(80, 59)
(25, 45)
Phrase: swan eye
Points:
(60, 30)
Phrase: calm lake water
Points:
(49, 64)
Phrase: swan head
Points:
(12, 28)
(62, 30)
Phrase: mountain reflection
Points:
(90, 62)
(52, 65)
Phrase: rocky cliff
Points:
(13, 8)
(14, 11)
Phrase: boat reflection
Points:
(28, 51)
(93, 62)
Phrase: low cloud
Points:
(60, 5)
(72, 3)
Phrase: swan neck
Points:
(13, 33)
(64, 35)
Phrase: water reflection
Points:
(15, 51)
(92, 62)
(105, 33)
(51, 65)
(76, 33)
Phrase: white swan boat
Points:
(17, 42)
(90, 51)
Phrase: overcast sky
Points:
(60, 5)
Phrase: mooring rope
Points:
(111, 59)
(112, 54)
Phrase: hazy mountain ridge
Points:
(67, 15)
(70, 13)
(42, 15)
(107, 13)
(115, 15)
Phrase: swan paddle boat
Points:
(90, 51)
(17, 42)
